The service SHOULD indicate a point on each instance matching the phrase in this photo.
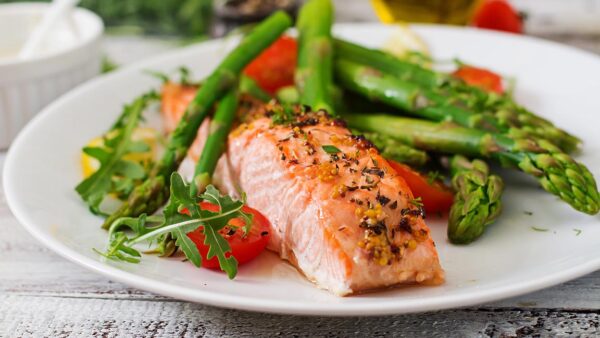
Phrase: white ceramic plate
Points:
(511, 259)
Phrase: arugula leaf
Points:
(227, 207)
(137, 224)
(180, 216)
(219, 247)
(119, 250)
(115, 175)
(178, 224)
(181, 198)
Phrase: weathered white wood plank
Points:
(64, 317)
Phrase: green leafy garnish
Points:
(119, 250)
(184, 76)
(108, 65)
(417, 201)
(434, 176)
(577, 232)
(282, 114)
(331, 149)
(177, 224)
(163, 77)
(115, 174)
(539, 229)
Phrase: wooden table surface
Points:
(42, 294)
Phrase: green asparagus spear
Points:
(477, 201)
(248, 86)
(407, 96)
(509, 116)
(392, 149)
(389, 64)
(215, 142)
(314, 71)
(153, 193)
(556, 171)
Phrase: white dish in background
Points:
(64, 61)
(42, 168)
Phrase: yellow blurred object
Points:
(403, 40)
(151, 137)
(454, 12)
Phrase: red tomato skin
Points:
(274, 67)
(498, 15)
(243, 249)
(480, 77)
(436, 197)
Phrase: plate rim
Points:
(268, 305)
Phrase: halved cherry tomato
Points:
(479, 77)
(243, 248)
(274, 67)
(436, 197)
(498, 15)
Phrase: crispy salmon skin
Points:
(339, 212)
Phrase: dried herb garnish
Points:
(330, 149)
(417, 201)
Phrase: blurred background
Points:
(138, 29)
(151, 26)
(197, 18)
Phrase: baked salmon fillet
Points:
(339, 212)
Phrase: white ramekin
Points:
(26, 86)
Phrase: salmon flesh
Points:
(339, 212)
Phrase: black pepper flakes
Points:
(339, 123)
(404, 225)
(374, 171)
(382, 199)
(419, 211)
(377, 228)
(362, 142)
